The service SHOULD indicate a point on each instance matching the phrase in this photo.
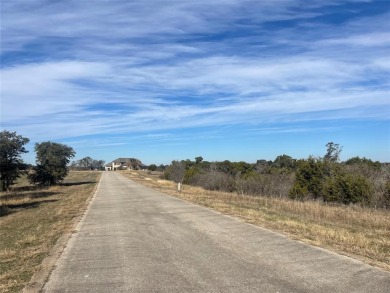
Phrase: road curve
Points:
(134, 239)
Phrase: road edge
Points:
(39, 279)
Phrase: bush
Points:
(364, 162)
(386, 194)
(215, 180)
(265, 184)
(309, 179)
(347, 188)
(152, 167)
(378, 176)
(4, 210)
(165, 176)
(299, 192)
(189, 175)
(358, 180)
(329, 181)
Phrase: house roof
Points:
(123, 160)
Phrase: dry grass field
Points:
(362, 233)
(33, 219)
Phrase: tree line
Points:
(87, 163)
(51, 161)
(354, 181)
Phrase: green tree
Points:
(11, 164)
(347, 188)
(309, 178)
(283, 165)
(224, 167)
(52, 160)
(364, 161)
(152, 167)
(262, 166)
(189, 174)
(86, 163)
(242, 168)
(198, 160)
(329, 181)
(284, 161)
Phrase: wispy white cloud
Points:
(158, 65)
(367, 40)
(46, 88)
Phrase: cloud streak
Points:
(130, 67)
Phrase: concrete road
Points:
(134, 239)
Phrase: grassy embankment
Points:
(362, 233)
(33, 219)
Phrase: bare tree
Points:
(177, 171)
(333, 151)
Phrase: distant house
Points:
(124, 164)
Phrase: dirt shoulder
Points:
(34, 221)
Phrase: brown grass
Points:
(362, 233)
(33, 219)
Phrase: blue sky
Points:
(224, 79)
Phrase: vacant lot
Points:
(361, 233)
(33, 219)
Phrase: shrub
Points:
(309, 179)
(265, 184)
(363, 161)
(386, 194)
(347, 188)
(175, 172)
(189, 175)
(329, 181)
(165, 176)
(152, 167)
(215, 180)
(4, 210)
(299, 192)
